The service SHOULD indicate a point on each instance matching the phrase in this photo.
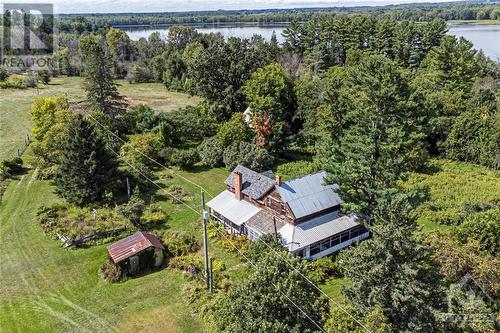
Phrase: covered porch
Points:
(323, 235)
(231, 212)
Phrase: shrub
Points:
(452, 186)
(249, 155)
(4, 74)
(184, 158)
(154, 215)
(233, 131)
(191, 264)
(133, 208)
(455, 260)
(76, 223)
(143, 118)
(165, 154)
(32, 79)
(140, 146)
(11, 167)
(320, 270)
(483, 227)
(111, 272)
(296, 169)
(185, 124)
(180, 243)
(233, 242)
(474, 137)
(15, 82)
(210, 152)
(470, 209)
(196, 295)
(44, 76)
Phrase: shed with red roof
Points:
(136, 252)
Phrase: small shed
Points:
(137, 252)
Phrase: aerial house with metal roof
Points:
(304, 212)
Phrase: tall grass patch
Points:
(451, 187)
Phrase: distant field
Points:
(15, 105)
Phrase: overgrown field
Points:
(15, 105)
(451, 187)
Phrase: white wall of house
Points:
(253, 234)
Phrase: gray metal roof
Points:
(308, 195)
(255, 185)
(296, 237)
(263, 223)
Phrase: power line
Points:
(286, 296)
(236, 248)
(104, 127)
(158, 186)
(318, 288)
(191, 208)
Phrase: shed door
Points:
(134, 264)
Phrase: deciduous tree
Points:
(258, 305)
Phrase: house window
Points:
(269, 202)
(301, 253)
(315, 249)
(344, 237)
(325, 244)
(335, 240)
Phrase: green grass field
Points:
(15, 105)
(46, 288)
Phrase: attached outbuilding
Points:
(138, 252)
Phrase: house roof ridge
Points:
(304, 176)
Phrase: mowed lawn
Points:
(46, 288)
(15, 105)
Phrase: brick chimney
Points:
(238, 181)
(277, 180)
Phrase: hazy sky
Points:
(115, 6)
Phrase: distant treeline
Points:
(414, 12)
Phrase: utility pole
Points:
(275, 229)
(205, 242)
(210, 281)
(128, 188)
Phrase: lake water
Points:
(485, 37)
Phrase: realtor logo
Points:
(28, 37)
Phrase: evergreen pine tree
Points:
(101, 90)
(393, 271)
(380, 136)
(86, 168)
